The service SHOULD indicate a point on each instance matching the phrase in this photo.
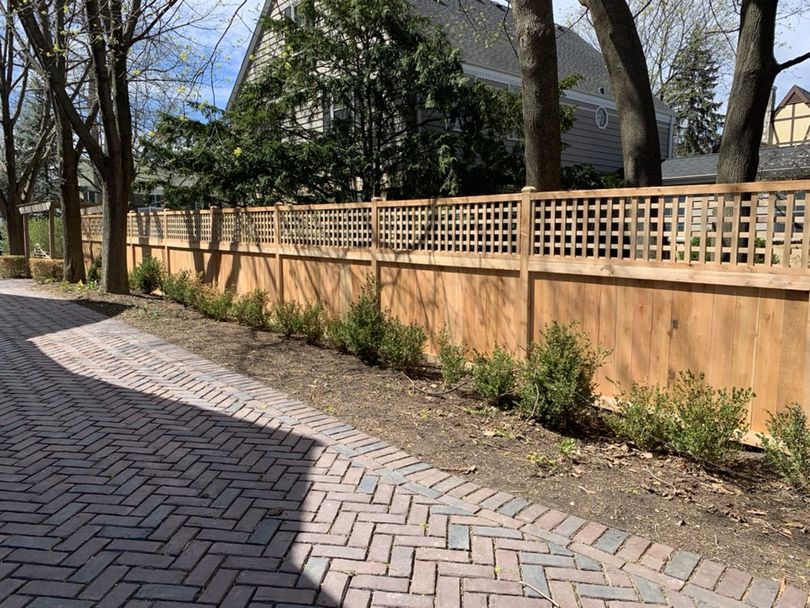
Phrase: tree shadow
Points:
(137, 475)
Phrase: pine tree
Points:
(691, 93)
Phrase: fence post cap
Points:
(376, 199)
(528, 189)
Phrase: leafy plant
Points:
(361, 329)
(312, 324)
(250, 309)
(181, 287)
(402, 345)
(13, 267)
(45, 270)
(788, 447)
(213, 302)
(94, 271)
(147, 276)
(285, 318)
(691, 419)
(558, 376)
(645, 417)
(495, 376)
(452, 358)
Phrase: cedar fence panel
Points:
(712, 278)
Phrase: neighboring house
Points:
(775, 163)
(143, 193)
(483, 31)
(788, 123)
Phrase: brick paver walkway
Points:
(134, 473)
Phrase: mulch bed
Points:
(742, 515)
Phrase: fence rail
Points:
(710, 278)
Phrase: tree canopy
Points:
(364, 98)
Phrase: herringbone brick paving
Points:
(133, 473)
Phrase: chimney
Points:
(767, 127)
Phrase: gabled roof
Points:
(796, 94)
(483, 30)
(785, 162)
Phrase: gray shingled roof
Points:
(788, 162)
(483, 31)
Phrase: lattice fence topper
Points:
(488, 227)
(331, 227)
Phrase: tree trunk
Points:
(16, 231)
(537, 51)
(754, 73)
(71, 201)
(116, 193)
(630, 81)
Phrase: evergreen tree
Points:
(691, 93)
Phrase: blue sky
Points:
(793, 41)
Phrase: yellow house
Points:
(790, 120)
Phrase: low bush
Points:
(285, 318)
(147, 277)
(452, 358)
(181, 288)
(46, 270)
(312, 324)
(691, 419)
(13, 267)
(361, 329)
(788, 447)
(402, 346)
(557, 379)
(495, 377)
(94, 271)
(250, 309)
(213, 302)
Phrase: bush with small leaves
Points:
(709, 421)
(285, 318)
(250, 309)
(213, 302)
(181, 288)
(361, 329)
(788, 447)
(94, 271)
(557, 379)
(147, 277)
(452, 358)
(47, 270)
(402, 346)
(692, 419)
(644, 416)
(495, 377)
(13, 267)
(312, 323)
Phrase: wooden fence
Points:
(710, 278)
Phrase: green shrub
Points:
(452, 358)
(361, 330)
(251, 309)
(759, 258)
(645, 417)
(495, 376)
(13, 267)
(402, 346)
(557, 380)
(691, 419)
(46, 270)
(213, 302)
(285, 318)
(788, 447)
(181, 288)
(94, 271)
(147, 277)
(312, 323)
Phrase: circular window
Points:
(601, 117)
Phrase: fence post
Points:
(166, 259)
(524, 249)
(279, 274)
(375, 239)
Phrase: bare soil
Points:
(742, 516)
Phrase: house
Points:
(788, 124)
(483, 31)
